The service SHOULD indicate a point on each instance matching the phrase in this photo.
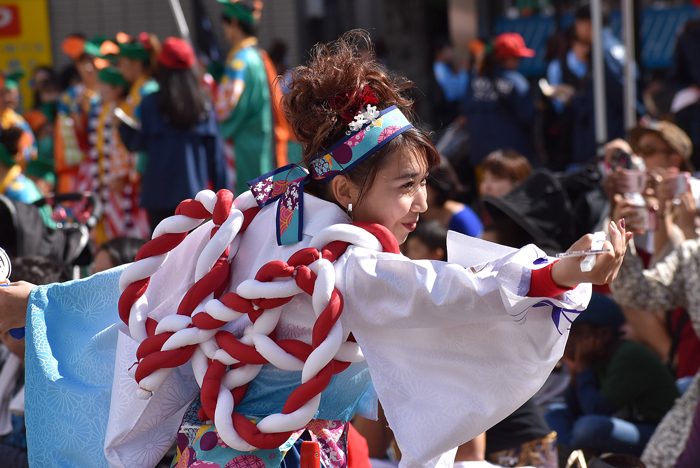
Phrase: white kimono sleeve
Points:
(451, 351)
(139, 432)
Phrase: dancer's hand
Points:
(13, 305)
(567, 273)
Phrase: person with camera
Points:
(668, 282)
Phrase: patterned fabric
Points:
(197, 441)
(108, 160)
(71, 339)
(669, 284)
(287, 183)
(74, 108)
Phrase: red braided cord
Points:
(152, 358)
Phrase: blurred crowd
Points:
(111, 144)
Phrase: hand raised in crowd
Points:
(687, 212)
(13, 305)
(567, 272)
(665, 188)
(624, 208)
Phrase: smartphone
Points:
(645, 220)
(681, 183)
(634, 181)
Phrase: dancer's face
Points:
(397, 195)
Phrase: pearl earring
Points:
(350, 210)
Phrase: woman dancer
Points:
(251, 340)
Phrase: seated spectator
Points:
(118, 251)
(537, 211)
(502, 171)
(13, 441)
(443, 187)
(427, 242)
(619, 392)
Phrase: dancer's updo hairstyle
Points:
(345, 66)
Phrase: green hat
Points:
(134, 50)
(239, 10)
(43, 165)
(12, 79)
(92, 46)
(111, 75)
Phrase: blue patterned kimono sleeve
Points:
(71, 341)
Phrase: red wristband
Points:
(542, 284)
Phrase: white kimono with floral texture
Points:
(451, 351)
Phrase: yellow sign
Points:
(25, 40)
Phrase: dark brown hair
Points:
(507, 164)
(335, 69)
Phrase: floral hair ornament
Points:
(287, 183)
(350, 105)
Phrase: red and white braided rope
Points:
(223, 364)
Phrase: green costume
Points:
(245, 113)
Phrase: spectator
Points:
(115, 252)
(669, 284)
(502, 171)
(619, 390)
(243, 103)
(499, 105)
(443, 187)
(451, 80)
(584, 142)
(568, 74)
(686, 78)
(537, 211)
(427, 242)
(179, 134)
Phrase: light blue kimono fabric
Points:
(71, 343)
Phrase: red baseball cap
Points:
(177, 53)
(508, 45)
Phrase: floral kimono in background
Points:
(75, 106)
(108, 161)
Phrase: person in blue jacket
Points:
(584, 144)
(499, 105)
(179, 133)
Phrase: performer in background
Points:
(75, 105)
(243, 98)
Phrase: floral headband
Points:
(368, 131)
